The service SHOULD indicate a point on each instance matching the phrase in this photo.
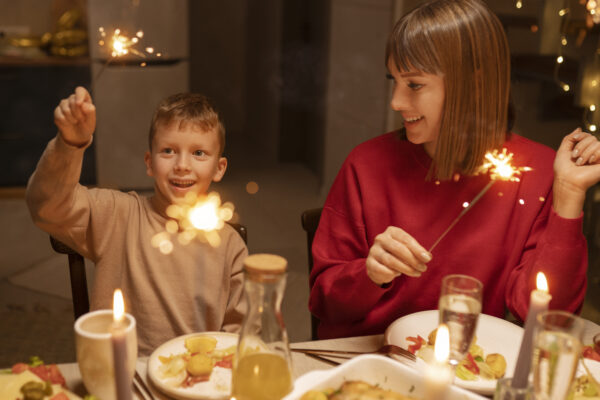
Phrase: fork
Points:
(388, 350)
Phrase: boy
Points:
(195, 287)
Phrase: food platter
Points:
(493, 334)
(216, 388)
(375, 370)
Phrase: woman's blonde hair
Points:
(463, 41)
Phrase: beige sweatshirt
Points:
(195, 288)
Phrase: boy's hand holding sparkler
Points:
(75, 118)
(576, 169)
(393, 253)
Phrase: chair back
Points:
(310, 223)
(79, 289)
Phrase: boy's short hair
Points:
(463, 41)
(185, 108)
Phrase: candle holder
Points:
(95, 354)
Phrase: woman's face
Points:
(419, 97)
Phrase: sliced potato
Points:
(497, 363)
(200, 344)
(200, 364)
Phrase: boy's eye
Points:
(389, 76)
(414, 86)
(167, 150)
(198, 153)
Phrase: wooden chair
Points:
(310, 223)
(79, 289)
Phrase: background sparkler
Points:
(119, 45)
(199, 217)
(499, 167)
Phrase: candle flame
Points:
(498, 165)
(118, 306)
(541, 282)
(442, 344)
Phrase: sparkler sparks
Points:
(119, 45)
(498, 166)
(197, 218)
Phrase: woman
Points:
(397, 193)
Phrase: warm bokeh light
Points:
(252, 187)
(541, 282)
(442, 344)
(118, 306)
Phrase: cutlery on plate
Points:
(388, 350)
(325, 360)
(141, 386)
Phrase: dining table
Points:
(301, 362)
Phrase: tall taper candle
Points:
(123, 382)
(539, 300)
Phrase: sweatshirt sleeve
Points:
(58, 204)
(237, 303)
(341, 291)
(557, 247)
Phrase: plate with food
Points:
(194, 366)
(368, 376)
(493, 353)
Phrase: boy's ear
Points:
(148, 162)
(221, 168)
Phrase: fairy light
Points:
(197, 217)
(560, 59)
(563, 40)
(563, 12)
(519, 4)
(498, 166)
(592, 107)
(593, 128)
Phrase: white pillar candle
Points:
(123, 384)
(438, 375)
(538, 302)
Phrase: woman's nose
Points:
(399, 100)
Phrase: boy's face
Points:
(184, 158)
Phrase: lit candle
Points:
(438, 375)
(123, 384)
(538, 303)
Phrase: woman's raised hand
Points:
(75, 118)
(393, 253)
(576, 169)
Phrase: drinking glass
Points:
(558, 336)
(95, 354)
(505, 391)
(460, 306)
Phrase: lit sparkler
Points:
(197, 218)
(499, 168)
(121, 45)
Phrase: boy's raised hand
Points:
(75, 118)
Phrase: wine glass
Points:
(557, 346)
(460, 306)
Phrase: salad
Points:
(475, 365)
(197, 363)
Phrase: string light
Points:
(519, 4)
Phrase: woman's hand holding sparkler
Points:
(393, 253)
(576, 169)
(75, 118)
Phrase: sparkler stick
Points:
(499, 167)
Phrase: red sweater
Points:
(504, 239)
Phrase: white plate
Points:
(494, 335)
(375, 370)
(219, 385)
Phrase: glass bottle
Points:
(262, 366)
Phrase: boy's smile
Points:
(184, 158)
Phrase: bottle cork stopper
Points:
(265, 263)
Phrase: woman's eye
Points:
(415, 86)
(198, 153)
